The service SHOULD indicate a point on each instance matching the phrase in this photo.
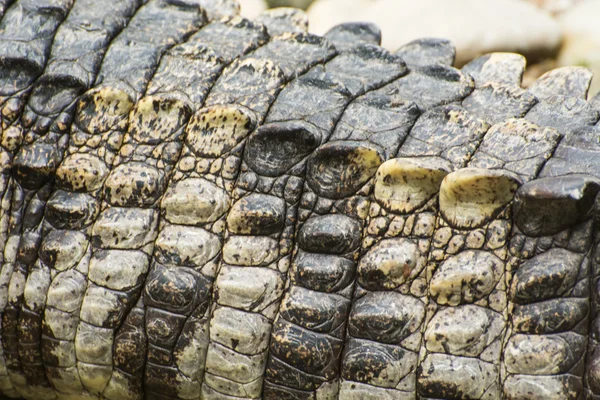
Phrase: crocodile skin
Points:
(199, 206)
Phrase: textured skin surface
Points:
(198, 206)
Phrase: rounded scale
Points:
(81, 172)
(155, 119)
(547, 206)
(465, 278)
(402, 185)
(246, 333)
(339, 169)
(69, 210)
(103, 307)
(332, 234)
(101, 109)
(66, 291)
(443, 376)
(550, 316)
(62, 250)
(18, 73)
(322, 272)
(467, 330)
(547, 387)
(214, 131)
(276, 147)
(316, 311)
(377, 364)
(134, 184)
(386, 317)
(545, 276)
(35, 165)
(185, 246)
(470, 197)
(118, 269)
(257, 214)
(125, 228)
(194, 201)
(389, 264)
(314, 353)
(543, 354)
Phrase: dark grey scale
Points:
(427, 51)
(232, 342)
(504, 68)
(552, 250)
(189, 70)
(207, 170)
(384, 120)
(302, 50)
(263, 216)
(576, 154)
(178, 288)
(262, 79)
(354, 34)
(31, 161)
(29, 229)
(74, 61)
(320, 96)
(432, 85)
(449, 132)
(218, 9)
(562, 105)
(73, 206)
(595, 101)
(283, 20)
(27, 31)
(469, 268)
(566, 114)
(498, 95)
(363, 133)
(254, 80)
(518, 146)
(28, 28)
(565, 81)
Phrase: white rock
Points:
(252, 8)
(555, 6)
(581, 45)
(474, 26)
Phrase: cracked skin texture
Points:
(198, 206)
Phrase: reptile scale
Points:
(199, 206)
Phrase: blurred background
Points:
(550, 33)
